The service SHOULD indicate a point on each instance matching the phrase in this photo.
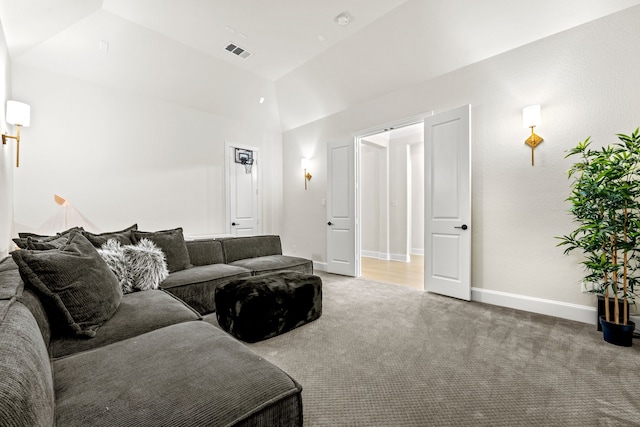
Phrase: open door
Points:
(447, 139)
(341, 202)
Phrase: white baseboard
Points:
(417, 251)
(579, 313)
(383, 256)
(401, 257)
(320, 266)
(376, 255)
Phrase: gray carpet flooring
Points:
(383, 355)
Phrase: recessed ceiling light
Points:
(320, 38)
(261, 100)
(343, 19)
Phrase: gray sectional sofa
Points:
(153, 361)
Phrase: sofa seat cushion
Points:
(200, 377)
(196, 286)
(270, 263)
(138, 313)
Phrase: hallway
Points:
(408, 274)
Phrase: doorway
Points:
(391, 167)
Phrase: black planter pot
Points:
(617, 334)
(612, 305)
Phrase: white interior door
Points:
(341, 202)
(243, 198)
(447, 139)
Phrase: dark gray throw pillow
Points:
(124, 237)
(40, 236)
(41, 243)
(171, 242)
(38, 245)
(76, 279)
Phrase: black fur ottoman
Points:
(262, 307)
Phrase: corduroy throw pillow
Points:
(76, 279)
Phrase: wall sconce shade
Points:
(531, 116)
(18, 114)
(531, 119)
(304, 165)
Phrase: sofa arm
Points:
(205, 252)
(26, 383)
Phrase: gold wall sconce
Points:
(531, 119)
(18, 114)
(304, 164)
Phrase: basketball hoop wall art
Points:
(245, 158)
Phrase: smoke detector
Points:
(343, 19)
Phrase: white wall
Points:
(121, 157)
(371, 191)
(398, 199)
(7, 162)
(586, 80)
(417, 198)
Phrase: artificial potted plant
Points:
(605, 204)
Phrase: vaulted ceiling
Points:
(302, 62)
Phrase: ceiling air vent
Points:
(237, 50)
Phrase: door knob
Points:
(329, 223)
(233, 223)
(464, 227)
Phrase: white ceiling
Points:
(174, 49)
(281, 34)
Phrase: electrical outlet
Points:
(588, 287)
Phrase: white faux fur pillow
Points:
(146, 263)
(137, 267)
(112, 253)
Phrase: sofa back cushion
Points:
(26, 383)
(205, 252)
(172, 243)
(236, 248)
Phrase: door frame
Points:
(228, 146)
(358, 136)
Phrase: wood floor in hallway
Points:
(409, 274)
